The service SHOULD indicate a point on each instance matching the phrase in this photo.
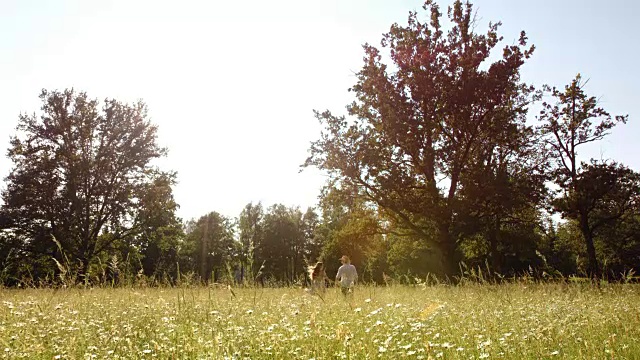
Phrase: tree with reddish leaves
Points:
(419, 123)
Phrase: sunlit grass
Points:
(469, 322)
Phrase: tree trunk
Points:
(204, 249)
(84, 272)
(593, 269)
(449, 255)
(494, 240)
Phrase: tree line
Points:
(438, 166)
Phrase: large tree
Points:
(575, 119)
(78, 171)
(416, 124)
(604, 199)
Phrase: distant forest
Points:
(438, 168)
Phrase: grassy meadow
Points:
(516, 321)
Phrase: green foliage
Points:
(408, 255)
(209, 246)
(281, 239)
(282, 246)
(250, 231)
(352, 228)
(160, 236)
(568, 252)
(618, 246)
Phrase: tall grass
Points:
(519, 320)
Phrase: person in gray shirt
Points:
(346, 276)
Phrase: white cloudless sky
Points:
(232, 85)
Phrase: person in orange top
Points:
(318, 278)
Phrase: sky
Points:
(232, 84)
